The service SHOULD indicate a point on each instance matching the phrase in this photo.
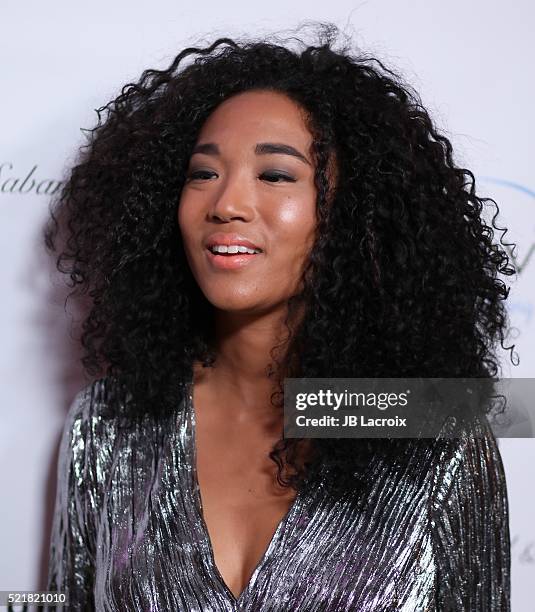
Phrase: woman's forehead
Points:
(263, 115)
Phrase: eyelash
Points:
(284, 177)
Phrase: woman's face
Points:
(250, 178)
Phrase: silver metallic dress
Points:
(129, 533)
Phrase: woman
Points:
(259, 213)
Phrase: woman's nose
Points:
(234, 200)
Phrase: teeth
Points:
(233, 248)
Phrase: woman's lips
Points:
(230, 262)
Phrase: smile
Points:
(232, 249)
(229, 260)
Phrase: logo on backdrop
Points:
(24, 183)
(517, 214)
(523, 550)
(516, 194)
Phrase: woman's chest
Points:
(153, 550)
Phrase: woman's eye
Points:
(276, 177)
(271, 177)
(200, 174)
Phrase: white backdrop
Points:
(471, 62)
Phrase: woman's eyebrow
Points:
(265, 148)
(262, 148)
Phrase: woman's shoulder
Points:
(91, 406)
(88, 424)
(99, 418)
(469, 463)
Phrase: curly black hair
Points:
(401, 282)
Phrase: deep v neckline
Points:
(196, 492)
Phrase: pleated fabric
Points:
(430, 534)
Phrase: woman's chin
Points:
(244, 306)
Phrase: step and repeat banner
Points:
(471, 63)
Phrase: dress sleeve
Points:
(71, 557)
(470, 525)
